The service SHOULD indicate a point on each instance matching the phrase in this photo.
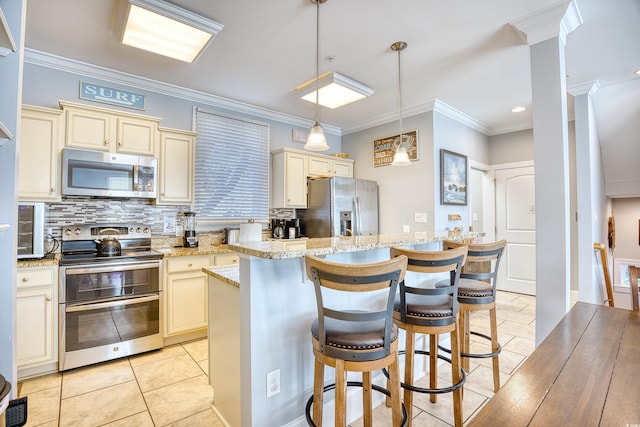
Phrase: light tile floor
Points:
(170, 387)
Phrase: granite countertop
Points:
(49, 260)
(226, 273)
(285, 249)
(200, 250)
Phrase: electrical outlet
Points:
(406, 229)
(273, 383)
(420, 217)
(420, 234)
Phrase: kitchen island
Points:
(259, 325)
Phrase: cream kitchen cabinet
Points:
(37, 320)
(175, 167)
(290, 169)
(42, 135)
(103, 129)
(226, 259)
(185, 294)
(327, 166)
(289, 186)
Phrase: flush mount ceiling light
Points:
(163, 28)
(400, 157)
(317, 141)
(336, 90)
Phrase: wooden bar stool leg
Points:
(465, 317)
(366, 399)
(408, 373)
(433, 365)
(341, 394)
(394, 388)
(456, 377)
(494, 348)
(318, 394)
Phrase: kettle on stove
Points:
(108, 245)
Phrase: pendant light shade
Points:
(400, 157)
(317, 141)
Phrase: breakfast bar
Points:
(259, 339)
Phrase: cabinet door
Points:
(343, 168)
(295, 180)
(39, 162)
(185, 303)
(136, 136)
(318, 166)
(89, 129)
(35, 327)
(176, 168)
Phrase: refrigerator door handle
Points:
(357, 231)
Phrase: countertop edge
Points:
(227, 273)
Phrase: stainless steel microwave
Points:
(30, 230)
(101, 174)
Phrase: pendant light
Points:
(317, 140)
(400, 157)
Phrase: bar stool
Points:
(477, 292)
(431, 311)
(358, 338)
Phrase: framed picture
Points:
(453, 178)
(384, 148)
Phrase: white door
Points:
(516, 222)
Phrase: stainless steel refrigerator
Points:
(339, 206)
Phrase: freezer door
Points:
(366, 201)
(344, 192)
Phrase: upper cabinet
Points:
(101, 129)
(290, 169)
(175, 167)
(39, 163)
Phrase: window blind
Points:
(231, 168)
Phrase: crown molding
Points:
(60, 63)
(437, 106)
(590, 88)
(555, 21)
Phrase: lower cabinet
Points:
(185, 294)
(37, 320)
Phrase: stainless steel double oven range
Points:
(110, 291)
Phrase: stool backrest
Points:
(353, 278)
(432, 262)
(483, 260)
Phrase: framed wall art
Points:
(453, 178)
(384, 148)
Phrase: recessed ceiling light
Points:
(517, 109)
(638, 71)
(163, 28)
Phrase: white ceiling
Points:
(463, 53)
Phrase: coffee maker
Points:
(189, 226)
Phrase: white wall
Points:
(402, 190)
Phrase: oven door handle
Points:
(110, 304)
(115, 268)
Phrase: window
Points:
(621, 271)
(231, 168)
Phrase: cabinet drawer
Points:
(188, 263)
(31, 278)
(226, 259)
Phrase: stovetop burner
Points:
(79, 244)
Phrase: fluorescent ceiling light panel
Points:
(163, 28)
(336, 90)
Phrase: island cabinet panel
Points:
(185, 294)
(176, 167)
(37, 320)
(102, 129)
(42, 134)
